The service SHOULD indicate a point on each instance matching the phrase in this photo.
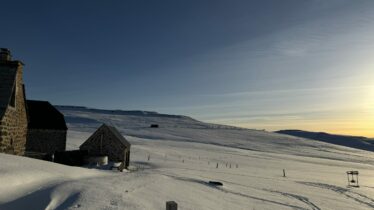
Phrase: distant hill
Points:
(357, 142)
(83, 121)
(79, 116)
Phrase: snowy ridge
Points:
(86, 117)
(182, 128)
(357, 142)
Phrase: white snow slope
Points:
(184, 154)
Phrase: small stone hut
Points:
(46, 128)
(108, 141)
(13, 118)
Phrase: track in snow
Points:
(344, 191)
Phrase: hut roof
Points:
(117, 134)
(42, 115)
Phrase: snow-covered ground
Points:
(184, 154)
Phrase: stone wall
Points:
(13, 125)
(46, 141)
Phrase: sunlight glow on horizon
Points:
(357, 120)
(360, 128)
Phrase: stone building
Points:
(46, 128)
(108, 141)
(13, 118)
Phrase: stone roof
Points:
(118, 137)
(43, 115)
(117, 134)
(8, 73)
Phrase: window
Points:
(13, 98)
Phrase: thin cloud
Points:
(315, 89)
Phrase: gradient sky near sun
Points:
(264, 64)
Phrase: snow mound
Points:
(20, 174)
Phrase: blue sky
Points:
(263, 64)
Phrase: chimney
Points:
(5, 54)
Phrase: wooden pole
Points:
(284, 173)
(357, 179)
(348, 179)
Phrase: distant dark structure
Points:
(154, 126)
(215, 183)
(108, 141)
(13, 118)
(46, 128)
